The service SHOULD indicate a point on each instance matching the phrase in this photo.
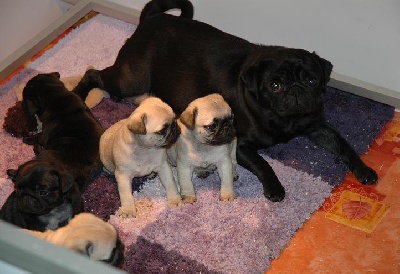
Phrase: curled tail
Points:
(156, 7)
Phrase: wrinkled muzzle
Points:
(172, 134)
(31, 203)
(297, 100)
(224, 134)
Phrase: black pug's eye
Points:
(211, 128)
(311, 82)
(43, 193)
(275, 86)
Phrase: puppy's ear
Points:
(138, 125)
(326, 68)
(66, 180)
(252, 78)
(12, 173)
(188, 118)
(32, 105)
(55, 74)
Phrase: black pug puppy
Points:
(48, 188)
(274, 92)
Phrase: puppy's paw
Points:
(365, 175)
(274, 193)
(227, 196)
(175, 201)
(127, 212)
(189, 199)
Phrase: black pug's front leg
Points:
(328, 137)
(250, 159)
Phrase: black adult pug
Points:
(48, 188)
(274, 92)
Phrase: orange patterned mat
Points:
(325, 246)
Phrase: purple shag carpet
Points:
(209, 236)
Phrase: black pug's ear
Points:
(32, 105)
(326, 68)
(66, 181)
(252, 78)
(56, 74)
(12, 173)
(138, 125)
(188, 118)
(31, 99)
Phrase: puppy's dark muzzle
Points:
(32, 204)
(224, 135)
(172, 135)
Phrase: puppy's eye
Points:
(211, 127)
(311, 82)
(43, 193)
(163, 131)
(276, 86)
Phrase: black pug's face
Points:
(289, 81)
(37, 89)
(39, 186)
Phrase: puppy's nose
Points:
(227, 127)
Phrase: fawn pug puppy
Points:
(137, 146)
(88, 235)
(207, 142)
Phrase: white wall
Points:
(21, 20)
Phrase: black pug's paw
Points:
(89, 81)
(365, 175)
(275, 193)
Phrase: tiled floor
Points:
(326, 246)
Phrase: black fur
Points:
(48, 188)
(274, 92)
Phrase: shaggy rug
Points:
(209, 236)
